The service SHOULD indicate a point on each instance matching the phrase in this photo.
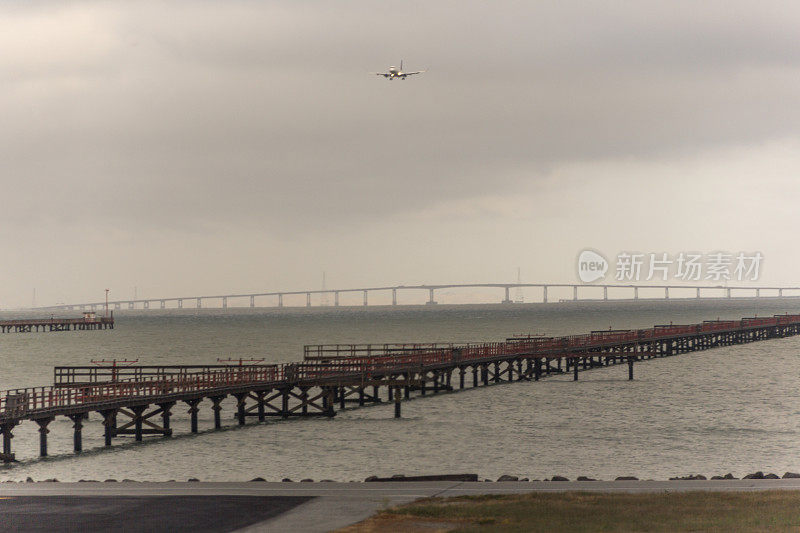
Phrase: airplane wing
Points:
(385, 75)
(404, 74)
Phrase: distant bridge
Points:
(587, 292)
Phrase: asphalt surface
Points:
(140, 513)
(262, 506)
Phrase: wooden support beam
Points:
(77, 425)
(166, 408)
(216, 407)
(6, 429)
(330, 399)
(109, 424)
(260, 399)
(193, 412)
(285, 402)
(397, 403)
(304, 400)
(137, 420)
(241, 398)
(43, 431)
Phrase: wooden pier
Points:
(139, 400)
(89, 321)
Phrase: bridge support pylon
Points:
(431, 300)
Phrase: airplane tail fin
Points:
(401, 65)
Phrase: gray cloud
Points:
(187, 117)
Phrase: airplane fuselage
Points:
(395, 72)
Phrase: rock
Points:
(729, 476)
(434, 477)
(523, 479)
(258, 479)
(398, 476)
(287, 480)
(111, 481)
(326, 481)
(506, 477)
(755, 475)
(51, 480)
(129, 481)
(584, 478)
(627, 478)
(193, 479)
(307, 480)
(29, 480)
(717, 477)
(771, 476)
(559, 478)
(87, 481)
(790, 475)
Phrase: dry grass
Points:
(583, 511)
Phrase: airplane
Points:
(395, 72)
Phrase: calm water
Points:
(732, 409)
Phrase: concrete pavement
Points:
(334, 505)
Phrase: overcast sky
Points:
(208, 147)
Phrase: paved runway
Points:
(297, 507)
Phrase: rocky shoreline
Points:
(462, 477)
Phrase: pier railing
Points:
(70, 376)
(316, 352)
(56, 321)
(106, 385)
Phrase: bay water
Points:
(731, 409)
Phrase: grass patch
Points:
(589, 511)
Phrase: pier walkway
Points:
(138, 401)
(87, 322)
